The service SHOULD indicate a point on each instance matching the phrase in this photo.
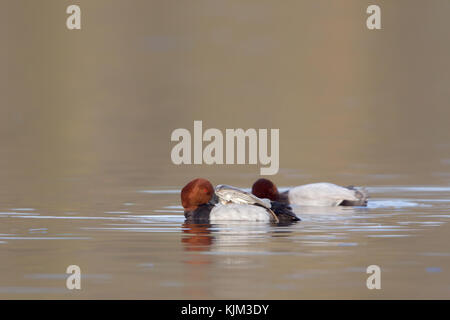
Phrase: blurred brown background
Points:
(95, 108)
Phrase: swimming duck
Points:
(314, 194)
(202, 203)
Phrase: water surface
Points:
(127, 253)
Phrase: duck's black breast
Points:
(283, 211)
(200, 214)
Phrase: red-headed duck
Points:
(314, 194)
(199, 201)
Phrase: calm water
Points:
(85, 123)
(128, 252)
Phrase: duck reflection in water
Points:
(197, 236)
(222, 237)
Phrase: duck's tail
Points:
(283, 212)
(361, 193)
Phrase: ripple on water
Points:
(6, 214)
(389, 235)
(394, 203)
(38, 230)
(410, 189)
(135, 229)
(34, 290)
(64, 276)
(45, 238)
(157, 218)
(158, 191)
(117, 212)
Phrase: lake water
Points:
(151, 253)
(86, 118)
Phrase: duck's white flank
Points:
(320, 194)
(234, 212)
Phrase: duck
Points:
(314, 194)
(202, 203)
